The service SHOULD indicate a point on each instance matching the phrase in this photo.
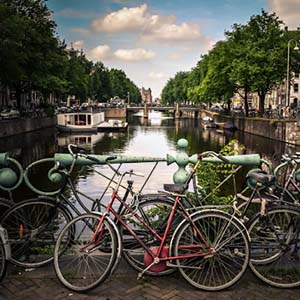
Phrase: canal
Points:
(153, 137)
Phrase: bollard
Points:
(182, 160)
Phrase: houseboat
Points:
(79, 121)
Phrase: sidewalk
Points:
(41, 284)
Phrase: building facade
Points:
(146, 95)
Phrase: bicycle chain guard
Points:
(161, 266)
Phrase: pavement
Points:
(42, 284)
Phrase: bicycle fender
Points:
(119, 240)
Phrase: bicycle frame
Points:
(162, 239)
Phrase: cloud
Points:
(136, 54)
(151, 27)
(288, 11)
(104, 52)
(123, 20)
(78, 45)
(157, 75)
(100, 52)
(165, 29)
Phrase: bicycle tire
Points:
(274, 245)
(76, 268)
(3, 262)
(33, 226)
(149, 208)
(224, 266)
(5, 204)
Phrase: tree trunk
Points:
(262, 97)
(246, 103)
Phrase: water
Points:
(153, 137)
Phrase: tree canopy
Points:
(32, 57)
(251, 59)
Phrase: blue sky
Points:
(152, 40)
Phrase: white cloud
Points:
(158, 75)
(122, 20)
(165, 28)
(288, 11)
(136, 54)
(151, 27)
(100, 52)
(78, 45)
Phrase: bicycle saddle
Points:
(261, 178)
(175, 188)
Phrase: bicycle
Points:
(34, 224)
(4, 252)
(209, 247)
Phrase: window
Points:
(296, 87)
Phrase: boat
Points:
(79, 121)
(226, 126)
(112, 125)
(208, 122)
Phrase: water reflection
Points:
(155, 136)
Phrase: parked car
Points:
(7, 114)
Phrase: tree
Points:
(29, 48)
(258, 55)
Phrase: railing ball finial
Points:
(182, 160)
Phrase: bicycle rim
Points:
(81, 266)
(224, 266)
(275, 247)
(33, 228)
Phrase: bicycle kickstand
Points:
(155, 261)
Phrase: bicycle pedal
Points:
(140, 276)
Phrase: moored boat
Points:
(79, 121)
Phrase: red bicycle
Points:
(209, 247)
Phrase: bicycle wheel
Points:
(2, 260)
(275, 247)
(227, 250)
(33, 227)
(83, 264)
(154, 211)
(5, 204)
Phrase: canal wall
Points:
(115, 113)
(19, 126)
(280, 130)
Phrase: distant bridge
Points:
(177, 110)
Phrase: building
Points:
(146, 95)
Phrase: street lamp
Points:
(287, 92)
(128, 97)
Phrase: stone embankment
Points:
(287, 131)
(23, 125)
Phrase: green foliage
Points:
(211, 174)
(252, 59)
(32, 57)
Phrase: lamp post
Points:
(128, 97)
(287, 92)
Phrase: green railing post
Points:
(182, 160)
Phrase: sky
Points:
(152, 40)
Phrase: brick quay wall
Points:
(287, 131)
